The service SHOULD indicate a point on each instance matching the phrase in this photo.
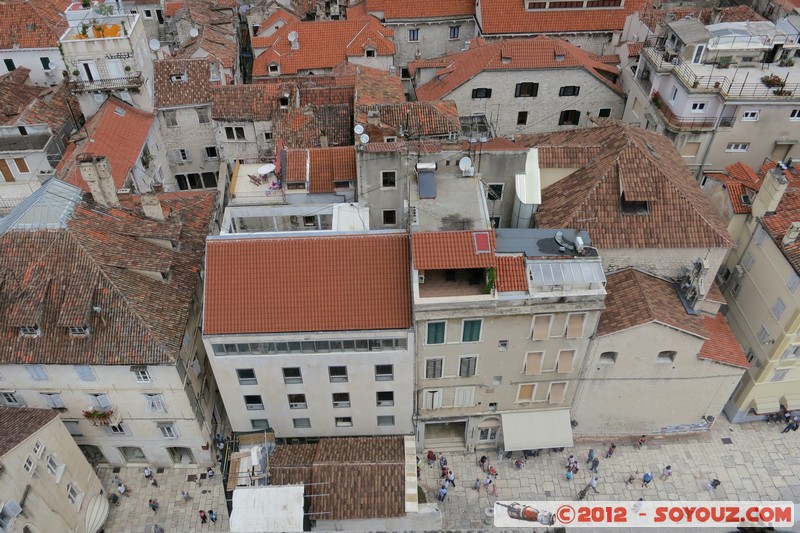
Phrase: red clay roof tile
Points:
(722, 345)
(420, 9)
(442, 250)
(32, 23)
(511, 274)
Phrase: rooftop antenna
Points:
(359, 129)
(154, 44)
(194, 32)
(293, 39)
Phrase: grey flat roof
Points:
(538, 242)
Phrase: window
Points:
(246, 376)
(55, 467)
(471, 330)
(155, 403)
(77, 331)
(541, 327)
(309, 221)
(234, 133)
(413, 35)
(211, 152)
(54, 400)
(29, 464)
(119, 429)
(38, 448)
(494, 191)
(369, 52)
(259, 423)
(268, 136)
(45, 63)
(273, 68)
(386, 420)
(337, 374)
(11, 399)
(171, 118)
(388, 179)
(690, 149)
(502, 345)
(495, 221)
(569, 90)
(748, 261)
(454, 32)
(74, 428)
(792, 352)
(464, 397)
(487, 434)
(763, 334)
(793, 281)
(30, 331)
(564, 364)
(526, 89)
(74, 494)
(343, 421)
(436, 333)
(384, 372)
(141, 373)
(735, 288)
(181, 155)
(665, 357)
(482, 92)
(10, 66)
(526, 392)
(533, 363)
(341, 399)
(21, 165)
(604, 112)
(252, 402)
(778, 308)
(608, 358)
(292, 375)
(202, 115)
(8, 513)
(569, 117)
(433, 368)
(301, 423)
(432, 399)
(37, 372)
(751, 115)
(100, 400)
(389, 217)
(467, 366)
(297, 401)
(761, 234)
(779, 374)
(167, 430)
(737, 147)
(557, 392)
(148, 14)
(698, 107)
(795, 114)
(384, 398)
(575, 323)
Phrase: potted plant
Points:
(83, 33)
(724, 62)
(86, 4)
(656, 99)
(97, 28)
(772, 80)
(127, 68)
(76, 73)
(98, 417)
(787, 62)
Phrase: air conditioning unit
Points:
(470, 448)
(421, 277)
(739, 271)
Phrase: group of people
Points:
(206, 516)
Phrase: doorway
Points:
(132, 454)
(93, 454)
(181, 456)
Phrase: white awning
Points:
(765, 406)
(96, 513)
(791, 402)
(266, 509)
(537, 430)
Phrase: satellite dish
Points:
(194, 32)
(465, 163)
(364, 139)
(359, 129)
(292, 36)
(155, 45)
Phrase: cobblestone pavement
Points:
(754, 461)
(133, 515)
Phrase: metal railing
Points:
(678, 123)
(130, 82)
(277, 196)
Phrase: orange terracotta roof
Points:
(179, 82)
(443, 250)
(172, 7)
(250, 102)
(32, 23)
(511, 274)
(420, 9)
(647, 168)
(275, 21)
(413, 119)
(715, 294)
(537, 53)
(635, 298)
(735, 191)
(279, 281)
(745, 174)
(722, 345)
(374, 86)
(634, 49)
(788, 211)
(29, 104)
(321, 167)
(510, 16)
(117, 131)
(322, 44)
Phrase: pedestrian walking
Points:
(157, 529)
(148, 474)
(116, 480)
(595, 464)
(646, 479)
(442, 460)
(791, 426)
(666, 473)
(582, 493)
(642, 440)
(631, 478)
(712, 485)
(590, 457)
(593, 483)
(477, 484)
(431, 458)
(123, 489)
(519, 464)
(451, 477)
(571, 461)
(483, 461)
(443, 483)
(212, 516)
(442, 494)
(611, 450)
(186, 496)
(487, 482)
(569, 475)
(153, 505)
(203, 517)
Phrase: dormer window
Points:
(274, 69)
(284, 101)
(30, 331)
(369, 52)
(78, 331)
(634, 208)
(179, 78)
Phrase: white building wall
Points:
(190, 135)
(433, 38)
(255, 144)
(664, 262)
(361, 384)
(31, 58)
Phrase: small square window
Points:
(502, 345)
(297, 401)
(494, 191)
(436, 332)
(386, 420)
(433, 368)
(795, 114)
(168, 430)
(666, 357)
(259, 423)
(148, 14)
(467, 366)
(141, 374)
(778, 308)
(608, 358)
(292, 375)
(171, 118)
(309, 221)
(389, 217)
(38, 448)
(211, 153)
(569, 90)
(569, 117)
(384, 398)
(413, 35)
(737, 147)
(203, 115)
(526, 90)
(29, 464)
(471, 331)
(481, 92)
(341, 400)
(246, 376)
(253, 402)
(604, 112)
(698, 107)
(344, 421)
(78, 331)
(388, 179)
(301, 423)
(274, 69)
(454, 32)
(384, 372)
(337, 374)
(46, 65)
(369, 52)
(10, 66)
(522, 118)
(37, 372)
(750, 115)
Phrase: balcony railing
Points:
(107, 84)
(678, 123)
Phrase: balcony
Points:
(107, 84)
(102, 416)
(677, 123)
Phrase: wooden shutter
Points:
(541, 327)
(575, 325)
(467, 366)
(533, 363)
(557, 392)
(525, 393)
(22, 166)
(5, 171)
(433, 368)
(565, 359)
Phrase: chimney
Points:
(296, 44)
(792, 233)
(97, 174)
(152, 206)
(323, 141)
(771, 192)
